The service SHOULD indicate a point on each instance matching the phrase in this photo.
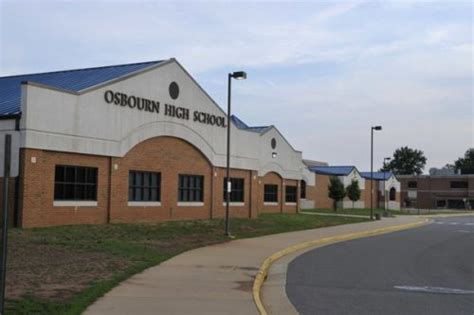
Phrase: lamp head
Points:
(239, 75)
(274, 155)
(377, 128)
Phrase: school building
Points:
(143, 143)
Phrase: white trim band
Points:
(74, 203)
(234, 204)
(190, 204)
(270, 203)
(144, 204)
(290, 203)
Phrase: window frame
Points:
(144, 188)
(272, 194)
(292, 194)
(303, 189)
(411, 186)
(187, 190)
(464, 185)
(237, 193)
(392, 194)
(88, 182)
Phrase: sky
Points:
(322, 72)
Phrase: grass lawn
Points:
(366, 212)
(62, 270)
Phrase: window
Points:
(144, 186)
(270, 193)
(75, 183)
(290, 193)
(440, 203)
(393, 194)
(459, 184)
(412, 184)
(191, 188)
(303, 190)
(237, 189)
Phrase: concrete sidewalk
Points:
(335, 214)
(215, 279)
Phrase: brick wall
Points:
(165, 155)
(272, 179)
(37, 189)
(249, 207)
(365, 194)
(321, 199)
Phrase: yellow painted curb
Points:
(263, 271)
(446, 215)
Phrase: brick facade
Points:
(431, 189)
(37, 189)
(321, 198)
(365, 194)
(165, 155)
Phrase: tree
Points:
(466, 164)
(406, 161)
(336, 191)
(353, 191)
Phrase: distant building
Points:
(317, 196)
(437, 191)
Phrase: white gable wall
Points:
(86, 123)
(390, 183)
(347, 180)
(8, 127)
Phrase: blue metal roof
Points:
(241, 125)
(71, 80)
(377, 175)
(332, 170)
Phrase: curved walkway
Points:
(216, 279)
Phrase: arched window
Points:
(393, 194)
(303, 190)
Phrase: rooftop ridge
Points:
(82, 69)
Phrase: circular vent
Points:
(174, 90)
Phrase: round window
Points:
(174, 90)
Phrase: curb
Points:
(447, 215)
(263, 271)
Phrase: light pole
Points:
(372, 169)
(384, 189)
(239, 75)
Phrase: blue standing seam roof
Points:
(332, 170)
(72, 80)
(241, 125)
(377, 175)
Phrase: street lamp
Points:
(238, 75)
(377, 128)
(384, 189)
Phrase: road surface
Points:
(426, 270)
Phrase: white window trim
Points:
(234, 203)
(74, 203)
(270, 203)
(290, 203)
(144, 203)
(190, 204)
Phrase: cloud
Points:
(322, 72)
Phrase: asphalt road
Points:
(426, 270)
